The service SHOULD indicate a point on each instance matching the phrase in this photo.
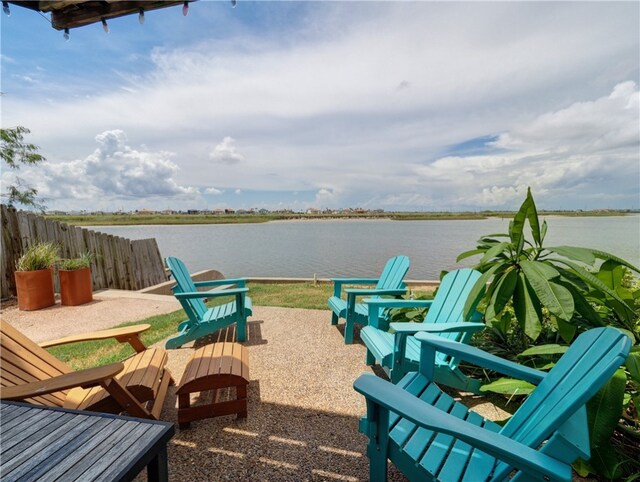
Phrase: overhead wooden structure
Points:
(66, 14)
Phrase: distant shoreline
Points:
(182, 219)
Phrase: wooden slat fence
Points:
(118, 263)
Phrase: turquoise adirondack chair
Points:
(398, 352)
(202, 320)
(390, 283)
(430, 436)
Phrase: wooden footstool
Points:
(212, 367)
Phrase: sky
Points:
(411, 106)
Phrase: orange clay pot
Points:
(35, 289)
(75, 286)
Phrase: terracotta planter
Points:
(35, 289)
(75, 286)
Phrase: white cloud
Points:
(226, 152)
(114, 172)
(365, 101)
(238, 191)
(578, 150)
(214, 191)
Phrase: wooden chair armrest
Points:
(128, 334)
(83, 378)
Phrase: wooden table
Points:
(43, 443)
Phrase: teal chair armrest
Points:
(387, 303)
(393, 398)
(373, 292)
(210, 294)
(241, 282)
(338, 282)
(478, 357)
(463, 326)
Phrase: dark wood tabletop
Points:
(43, 443)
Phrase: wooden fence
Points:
(118, 263)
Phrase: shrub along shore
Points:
(112, 219)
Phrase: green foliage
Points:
(407, 315)
(562, 279)
(603, 418)
(539, 298)
(70, 264)
(14, 152)
(38, 256)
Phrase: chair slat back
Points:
(195, 308)
(23, 361)
(393, 273)
(448, 304)
(586, 366)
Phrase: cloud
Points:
(364, 101)
(238, 191)
(214, 191)
(226, 152)
(575, 150)
(113, 172)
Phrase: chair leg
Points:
(370, 360)
(334, 319)
(242, 330)
(348, 332)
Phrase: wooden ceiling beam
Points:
(74, 13)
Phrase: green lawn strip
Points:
(289, 295)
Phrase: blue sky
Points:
(392, 105)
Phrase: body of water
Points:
(338, 248)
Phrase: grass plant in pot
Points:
(75, 280)
(34, 276)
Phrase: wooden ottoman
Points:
(212, 367)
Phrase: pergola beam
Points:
(72, 14)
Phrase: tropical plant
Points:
(70, 264)
(38, 256)
(538, 299)
(14, 152)
(560, 278)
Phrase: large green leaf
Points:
(555, 297)
(582, 306)
(468, 254)
(493, 252)
(584, 255)
(633, 365)
(527, 308)
(611, 274)
(516, 226)
(508, 386)
(592, 280)
(551, 349)
(545, 270)
(607, 256)
(603, 412)
(501, 294)
(532, 216)
(478, 290)
(566, 329)
(543, 231)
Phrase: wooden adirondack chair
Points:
(202, 320)
(429, 436)
(390, 283)
(398, 352)
(30, 373)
